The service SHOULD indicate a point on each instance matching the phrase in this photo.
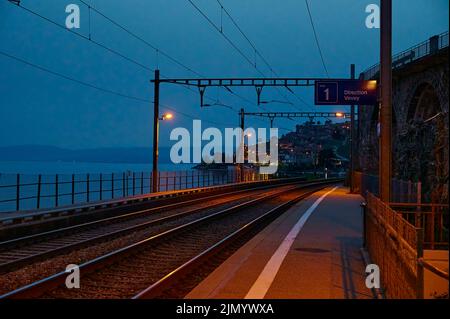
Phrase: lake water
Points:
(24, 167)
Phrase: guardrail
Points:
(396, 234)
(428, 47)
(395, 246)
(25, 192)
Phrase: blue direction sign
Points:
(345, 92)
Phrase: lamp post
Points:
(156, 119)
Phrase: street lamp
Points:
(340, 114)
(164, 117)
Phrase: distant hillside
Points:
(96, 155)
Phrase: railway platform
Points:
(310, 252)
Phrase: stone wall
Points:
(420, 127)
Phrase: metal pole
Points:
(352, 135)
(17, 192)
(241, 165)
(385, 165)
(156, 132)
(101, 186)
(87, 188)
(38, 204)
(56, 190)
(73, 189)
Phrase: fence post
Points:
(38, 197)
(17, 192)
(101, 186)
(167, 181)
(364, 213)
(420, 279)
(158, 174)
(142, 183)
(73, 189)
(123, 184)
(112, 185)
(134, 183)
(87, 188)
(56, 190)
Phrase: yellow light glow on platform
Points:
(339, 114)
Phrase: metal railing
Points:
(395, 236)
(428, 47)
(28, 192)
(395, 246)
(433, 218)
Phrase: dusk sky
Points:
(43, 109)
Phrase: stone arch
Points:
(426, 126)
(424, 103)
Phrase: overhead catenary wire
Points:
(103, 46)
(69, 78)
(157, 50)
(96, 87)
(90, 39)
(255, 49)
(317, 39)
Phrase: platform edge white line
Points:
(265, 279)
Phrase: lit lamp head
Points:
(371, 85)
(340, 114)
(166, 117)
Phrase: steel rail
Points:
(171, 278)
(95, 239)
(41, 286)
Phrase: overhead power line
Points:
(258, 53)
(220, 30)
(103, 46)
(317, 39)
(96, 87)
(141, 39)
(90, 39)
(155, 48)
(69, 78)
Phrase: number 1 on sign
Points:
(327, 94)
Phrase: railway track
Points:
(146, 268)
(25, 250)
